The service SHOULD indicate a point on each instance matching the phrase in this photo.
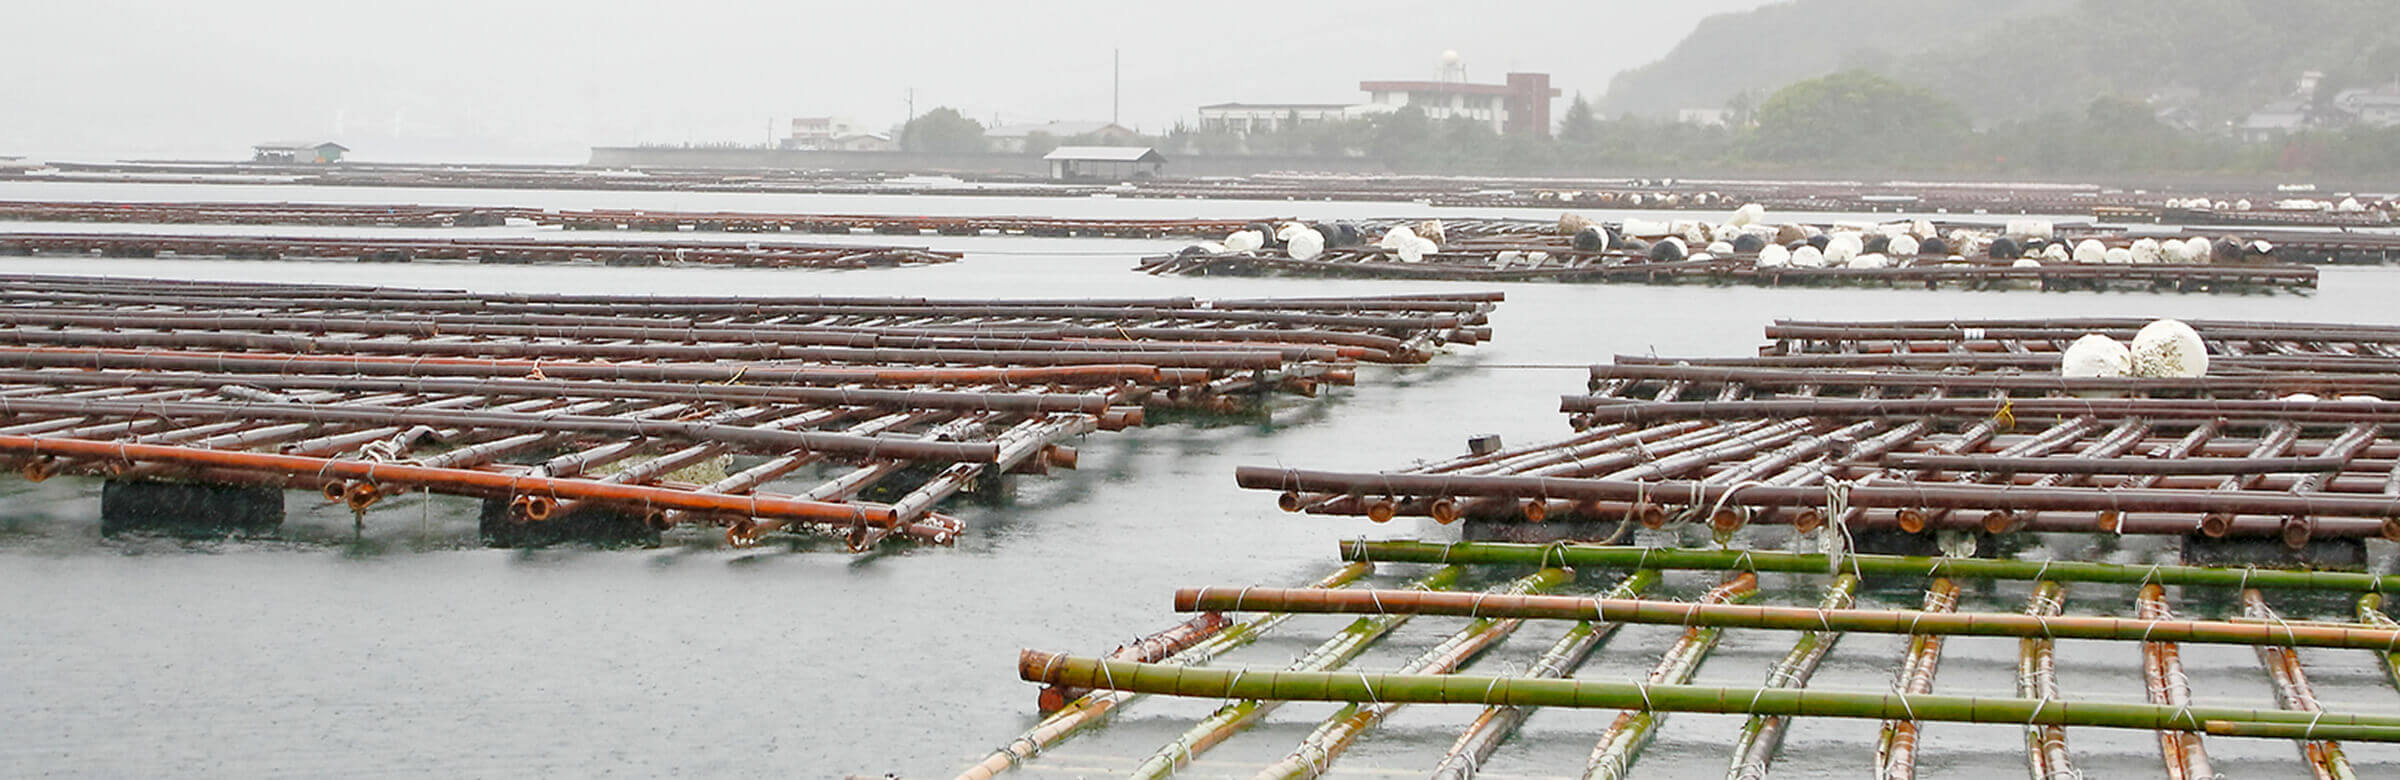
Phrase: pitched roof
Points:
(1052, 129)
(300, 145)
(1105, 154)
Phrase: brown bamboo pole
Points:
(1622, 743)
(1482, 738)
(2325, 757)
(1333, 653)
(1896, 744)
(1762, 736)
(2037, 678)
(2162, 669)
(1334, 736)
(1096, 705)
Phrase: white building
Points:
(820, 132)
(1249, 118)
(2376, 107)
(1017, 138)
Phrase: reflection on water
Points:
(409, 648)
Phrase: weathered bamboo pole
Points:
(1886, 496)
(1896, 743)
(2370, 612)
(2292, 691)
(1095, 706)
(2037, 678)
(1235, 716)
(1497, 722)
(1622, 743)
(1349, 686)
(1755, 750)
(1594, 557)
(815, 511)
(1332, 737)
(2162, 669)
(1415, 602)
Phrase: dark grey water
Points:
(410, 651)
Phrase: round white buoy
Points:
(2095, 355)
(2169, 348)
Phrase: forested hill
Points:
(2004, 59)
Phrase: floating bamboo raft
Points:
(1550, 258)
(493, 251)
(1925, 427)
(399, 215)
(755, 414)
(1486, 689)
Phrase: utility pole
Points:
(1116, 81)
(912, 102)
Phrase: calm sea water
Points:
(410, 651)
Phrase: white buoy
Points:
(2090, 250)
(1841, 248)
(1774, 256)
(1719, 248)
(2026, 262)
(2148, 251)
(2117, 255)
(1749, 214)
(1244, 241)
(2029, 228)
(1807, 257)
(2095, 355)
(1871, 260)
(1903, 245)
(2169, 348)
(1416, 249)
(1397, 237)
(1304, 244)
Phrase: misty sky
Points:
(498, 80)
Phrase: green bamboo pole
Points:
(2292, 690)
(1348, 686)
(1755, 750)
(1896, 744)
(1498, 722)
(2370, 612)
(2037, 678)
(1093, 708)
(1235, 716)
(2162, 669)
(1622, 743)
(1597, 557)
(1334, 736)
(2347, 636)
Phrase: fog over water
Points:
(530, 80)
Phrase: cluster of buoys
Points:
(1300, 241)
(2163, 348)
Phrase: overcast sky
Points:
(503, 80)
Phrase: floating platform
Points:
(489, 251)
(1926, 427)
(334, 214)
(1544, 258)
(1626, 630)
(628, 415)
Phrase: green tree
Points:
(1038, 143)
(1579, 127)
(942, 130)
(1858, 118)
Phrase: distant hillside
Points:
(2016, 59)
(1762, 49)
